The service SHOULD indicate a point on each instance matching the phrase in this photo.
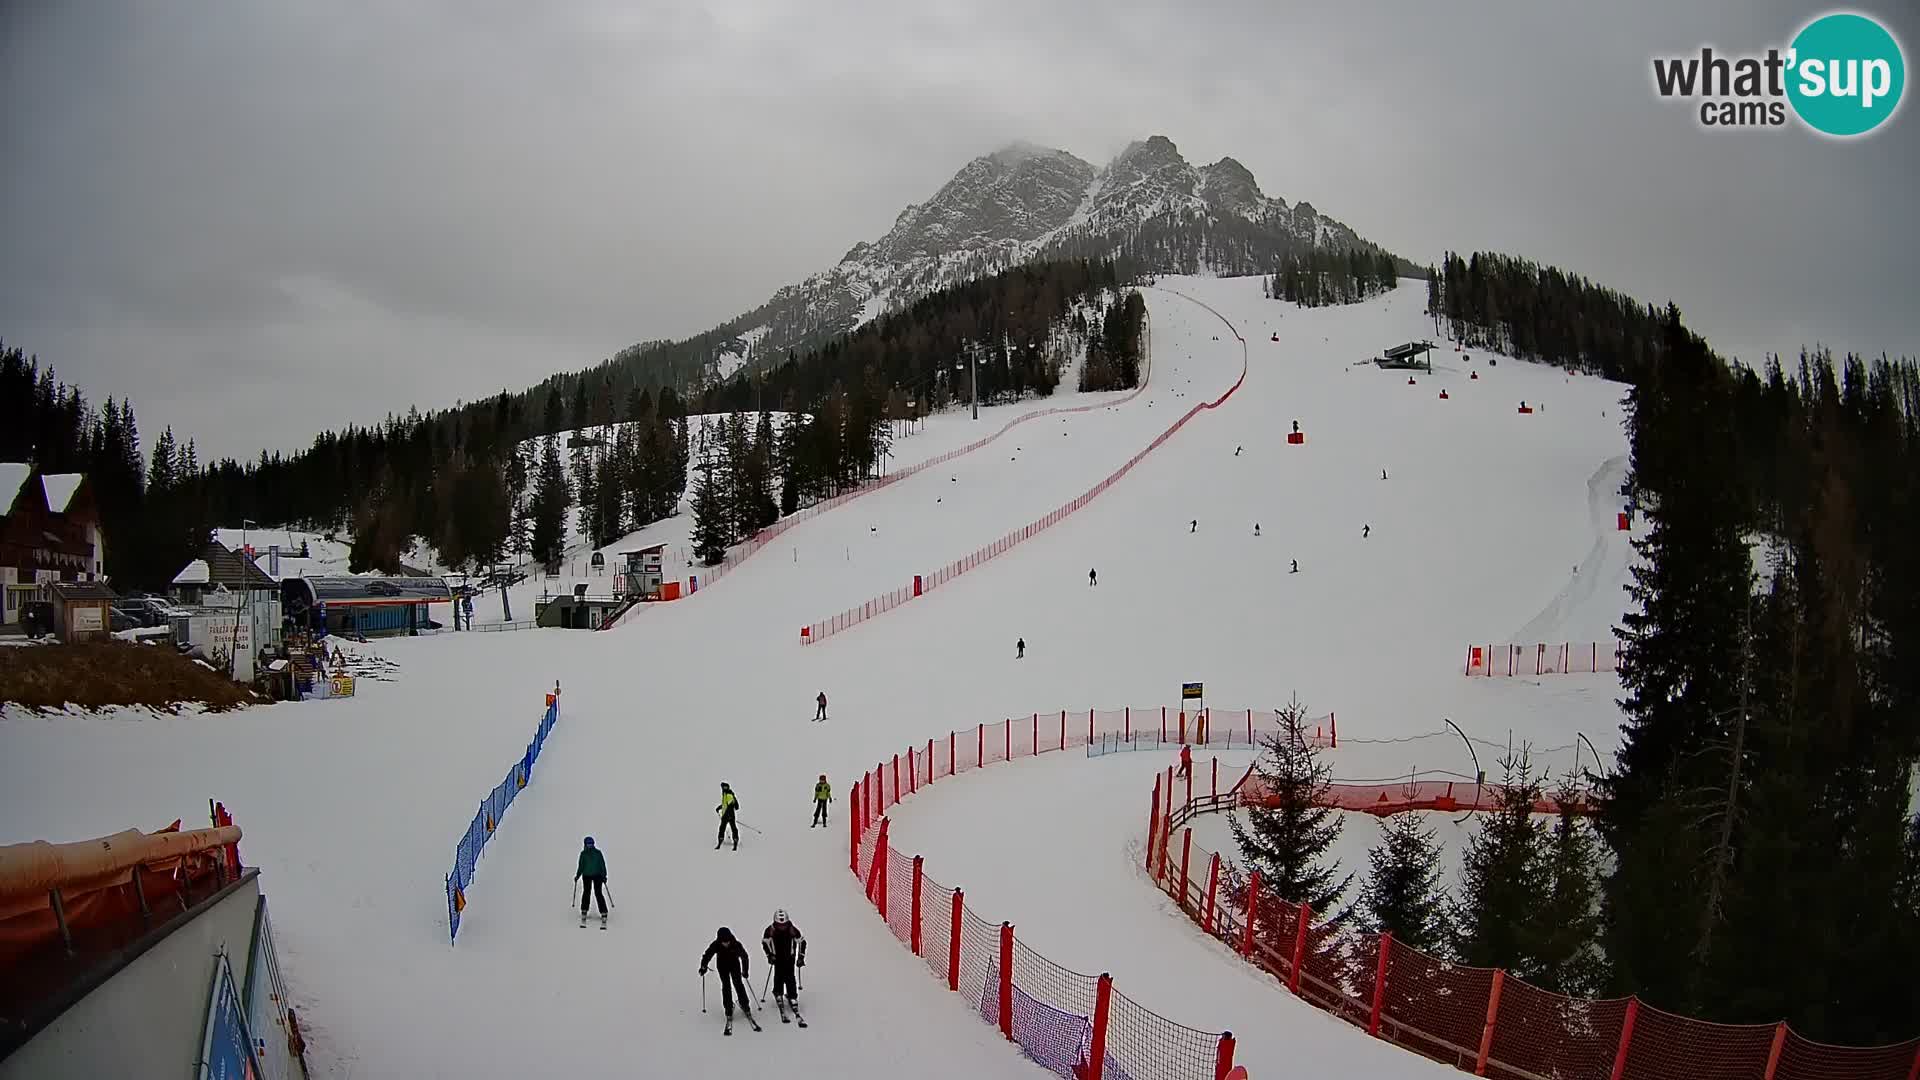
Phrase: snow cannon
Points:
(1626, 521)
(1473, 375)
(1443, 395)
(1296, 437)
(1525, 409)
(1276, 336)
(1410, 381)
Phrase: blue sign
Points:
(226, 1053)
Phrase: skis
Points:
(781, 1004)
(583, 921)
(797, 1016)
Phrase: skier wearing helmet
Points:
(786, 949)
(592, 869)
(822, 795)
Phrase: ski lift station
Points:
(1408, 356)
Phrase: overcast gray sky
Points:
(259, 219)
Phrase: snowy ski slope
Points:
(352, 808)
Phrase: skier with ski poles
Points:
(786, 949)
(820, 712)
(729, 807)
(822, 795)
(592, 869)
(733, 975)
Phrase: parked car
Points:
(150, 610)
(121, 620)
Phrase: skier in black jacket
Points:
(733, 973)
(786, 948)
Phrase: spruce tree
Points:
(1567, 924)
(551, 501)
(712, 518)
(1502, 879)
(1403, 894)
(1289, 832)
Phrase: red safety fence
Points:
(1477, 1019)
(924, 583)
(1544, 658)
(1076, 1025)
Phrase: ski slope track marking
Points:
(815, 632)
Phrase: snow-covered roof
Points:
(196, 572)
(60, 488)
(13, 474)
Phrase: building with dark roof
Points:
(49, 531)
(217, 568)
(363, 605)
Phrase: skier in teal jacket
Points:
(593, 871)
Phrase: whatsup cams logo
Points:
(1842, 76)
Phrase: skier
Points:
(786, 949)
(733, 974)
(1365, 531)
(820, 711)
(592, 870)
(1383, 474)
(1186, 760)
(1194, 527)
(729, 806)
(1256, 528)
(1093, 578)
(1237, 449)
(1296, 567)
(1020, 649)
(822, 795)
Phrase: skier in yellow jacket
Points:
(822, 795)
(729, 806)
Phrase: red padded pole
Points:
(1036, 734)
(1097, 1051)
(916, 904)
(1493, 1013)
(1223, 1061)
(1006, 979)
(1626, 1040)
(853, 846)
(1773, 1054)
(913, 773)
(1008, 729)
(1304, 917)
(1380, 982)
(1213, 889)
(896, 777)
(1153, 824)
(950, 742)
(980, 751)
(1186, 856)
(953, 940)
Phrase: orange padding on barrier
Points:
(29, 871)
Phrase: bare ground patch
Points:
(103, 674)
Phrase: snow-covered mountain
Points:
(1027, 202)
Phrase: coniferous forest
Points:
(479, 483)
(1321, 278)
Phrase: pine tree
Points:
(1567, 927)
(1403, 894)
(1289, 833)
(1502, 879)
(711, 514)
(551, 501)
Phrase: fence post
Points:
(950, 741)
(1773, 1054)
(1036, 735)
(1914, 1073)
(933, 769)
(1097, 1050)
(1189, 784)
(1153, 823)
(1127, 725)
(953, 940)
(896, 777)
(1213, 888)
(1223, 1061)
(980, 750)
(1182, 730)
(913, 774)
(1063, 729)
(1253, 911)
(1626, 1040)
(1089, 727)
(1303, 916)
(1215, 791)
(1163, 723)
(1008, 728)
(853, 847)
(1006, 979)
(1493, 1013)
(916, 904)
(1380, 982)
(876, 880)
(1186, 854)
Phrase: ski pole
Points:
(703, 989)
(571, 892)
(749, 828)
(608, 889)
(768, 981)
